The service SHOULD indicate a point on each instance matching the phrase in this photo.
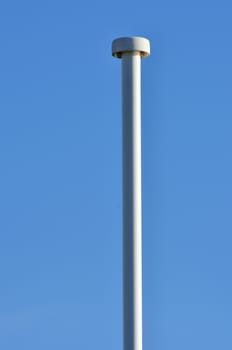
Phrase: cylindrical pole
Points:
(131, 50)
(132, 244)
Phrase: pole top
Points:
(130, 45)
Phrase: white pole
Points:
(131, 50)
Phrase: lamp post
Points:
(131, 50)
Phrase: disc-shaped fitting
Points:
(130, 45)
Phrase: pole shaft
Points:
(132, 211)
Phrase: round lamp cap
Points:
(131, 45)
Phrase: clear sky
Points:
(60, 174)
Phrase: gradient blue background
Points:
(60, 174)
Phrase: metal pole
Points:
(131, 50)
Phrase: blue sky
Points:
(60, 174)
